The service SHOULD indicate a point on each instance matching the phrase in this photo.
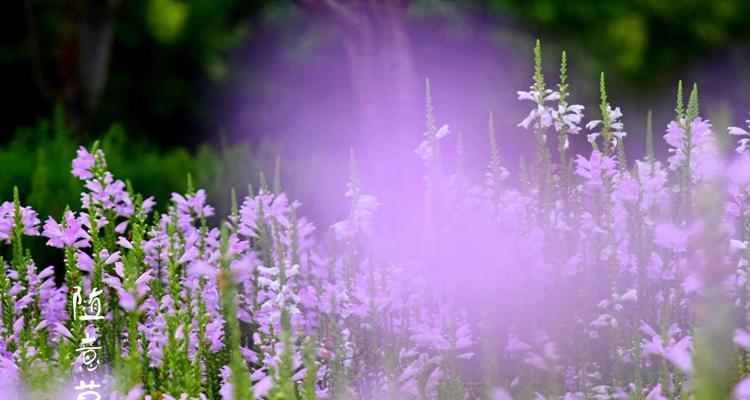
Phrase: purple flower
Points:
(215, 334)
(596, 168)
(742, 389)
(193, 205)
(68, 234)
(655, 394)
(274, 208)
(53, 303)
(669, 236)
(704, 154)
(135, 393)
(127, 300)
(189, 255)
(83, 163)
(29, 219)
(141, 284)
(360, 218)
(84, 262)
(679, 354)
(499, 393)
(263, 386)
(627, 189)
(124, 243)
(18, 327)
(109, 194)
(741, 338)
(9, 374)
(148, 205)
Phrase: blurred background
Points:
(226, 89)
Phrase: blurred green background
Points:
(219, 88)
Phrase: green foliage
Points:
(166, 18)
(640, 39)
(563, 86)
(604, 108)
(37, 160)
(650, 156)
(538, 75)
(680, 108)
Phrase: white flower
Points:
(360, 219)
(568, 116)
(733, 130)
(629, 295)
(735, 244)
(442, 131)
(616, 127)
(538, 97)
(542, 115)
(424, 150)
(744, 143)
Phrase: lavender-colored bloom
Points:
(596, 168)
(84, 262)
(8, 374)
(135, 393)
(656, 394)
(627, 189)
(109, 194)
(29, 219)
(742, 390)
(360, 217)
(679, 354)
(500, 394)
(671, 237)
(127, 300)
(263, 386)
(704, 153)
(741, 338)
(189, 255)
(215, 334)
(193, 205)
(83, 163)
(68, 234)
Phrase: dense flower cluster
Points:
(609, 279)
(250, 309)
(585, 277)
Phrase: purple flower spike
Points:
(68, 234)
(83, 163)
(29, 218)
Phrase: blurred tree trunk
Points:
(382, 74)
(83, 44)
(381, 66)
